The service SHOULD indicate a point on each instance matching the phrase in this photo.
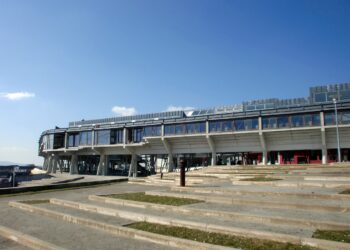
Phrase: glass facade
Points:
(291, 121)
(73, 140)
(117, 136)
(102, 137)
(152, 131)
(233, 125)
(186, 128)
(85, 138)
(343, 118)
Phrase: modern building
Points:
(271, 131)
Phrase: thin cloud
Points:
(124, 111)
(179, 108)
(16, 96)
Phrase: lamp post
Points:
(337, 128)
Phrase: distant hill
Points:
(7, 163)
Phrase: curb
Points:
(323, 225)
(27, 240)
(118, 230)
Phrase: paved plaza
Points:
(288, 208)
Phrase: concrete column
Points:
(93, 139)
(50, 164)
(263, 146)
(170, 154)
(74, 164)
(102, 166)
(133, 166)
(66, 140)
(279, 158)
(264, 158)
(323, 139)
(212, 148)
(45, 164)
(124, 135)
(54, 165)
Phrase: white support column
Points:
(49, 164)
(124, 136)
(65, 141)
(92, 138)
(212, 147)
(54, 165)
(323, 139)
(279, 158)
(133, 166)
(46, 161)
(262, 143)
(74, 164)
(102, 165)
(170, 154)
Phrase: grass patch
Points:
(261, 178)
(163, 200)
(346, 191)
(34, 202)
(216, 238)
(334, 235)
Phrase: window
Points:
(227, 126)
(137, 135)
(179, 129)
(283, 121)
(320, 97)
(329, 119)
(152, 131)
(344, 95)
(345, 117)
(102, 137)
(214, 126)
(316, 121)
(169, 129)
(85, 138)
(117, 136)
(297, 120)
(239, 125)
(73, 140)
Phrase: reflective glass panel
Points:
(283, 121)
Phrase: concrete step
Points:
(275, 193)
(56, 230)
(125, 237)
(296, 184)
(254, 232)
(254, 202)
(215, 213)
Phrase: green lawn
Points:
(335, 235)
(346, 191)
(164, 200)
(261, 178)
(216, 238)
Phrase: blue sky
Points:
(62, 61)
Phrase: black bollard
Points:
(182, 173)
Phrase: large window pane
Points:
(117, 136)
(345, 117)
(169, 129)
(283, 121)
(320, 97)
(102, 137)
(316, 121)
(179, 129)
(239, 125)
(85, 138)
(329, 119)
(297, 120)
(227, 126)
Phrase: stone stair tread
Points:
(71, 236)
